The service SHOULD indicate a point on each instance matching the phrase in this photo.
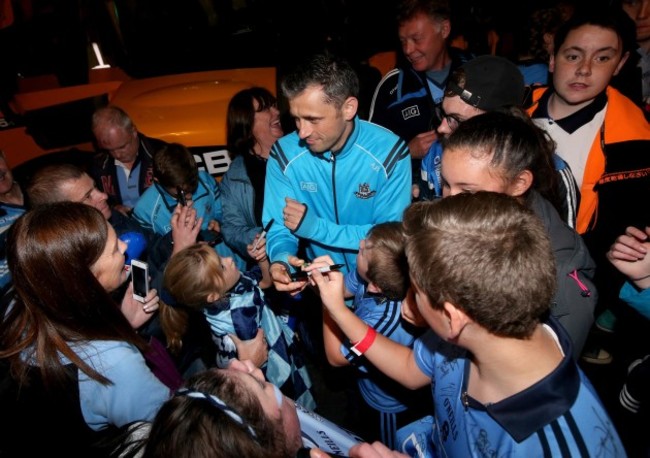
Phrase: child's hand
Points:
(629, 246)
(321, 261)
(374, 450)
(255, 349)
(257, 249)
(185, 227)
(330, 284)
(629, 255)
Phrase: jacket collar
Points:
(347, 146)
(576, 120)
(528, 411)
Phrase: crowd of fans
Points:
(472, 240)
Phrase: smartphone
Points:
(181, 196)
(212, 238)
(140, 279)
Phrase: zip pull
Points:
(585, 291)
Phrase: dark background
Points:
(156, 37)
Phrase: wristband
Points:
(362, 346)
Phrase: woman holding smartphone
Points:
(72, 368)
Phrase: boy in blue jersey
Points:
(391, 412)
(177, 177)
(500, 367)
(332, 179)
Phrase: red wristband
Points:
(359, 348)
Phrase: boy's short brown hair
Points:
(387, 266)
(174, 165)
(486, 254)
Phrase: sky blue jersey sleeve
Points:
(280, 242)
(639, 300)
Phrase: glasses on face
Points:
(453, 121)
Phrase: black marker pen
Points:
(304, 274)
(263, 234)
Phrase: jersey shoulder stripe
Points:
(279, 155)
(397, 153)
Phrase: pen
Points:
(304, 274)
(263, 234)
(333, 267)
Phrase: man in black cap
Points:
(485, 83)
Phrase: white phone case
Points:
(140, 279)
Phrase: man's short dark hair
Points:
(613, 18)
(334, 74)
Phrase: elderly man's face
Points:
(120, 143)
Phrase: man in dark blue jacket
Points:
(405, 99)
(123, 167)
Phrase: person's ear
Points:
(551, 64)
(621, 63)
(350, 107)
(445, 28)
(373, 288)
(213, 297)
(456, 320)
(521, 184)
(547, 38)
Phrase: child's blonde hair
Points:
(191, 276)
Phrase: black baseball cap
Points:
(491, 82)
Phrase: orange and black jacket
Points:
(615, 191)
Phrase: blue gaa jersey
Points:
(561, 415)
(377, 311)
(368, 181)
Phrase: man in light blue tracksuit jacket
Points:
(332, 179)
